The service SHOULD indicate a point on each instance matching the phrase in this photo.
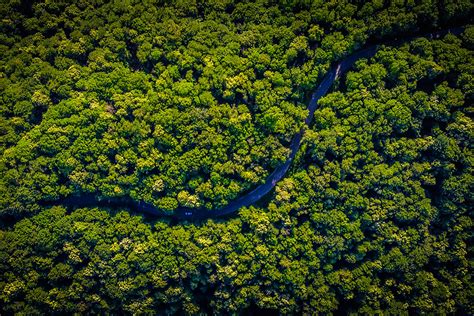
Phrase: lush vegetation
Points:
(193, 104)
(186, 105)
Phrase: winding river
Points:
(336, 71)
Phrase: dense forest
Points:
(194, 103)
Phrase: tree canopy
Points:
(192, 104)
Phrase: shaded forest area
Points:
(192, 104)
